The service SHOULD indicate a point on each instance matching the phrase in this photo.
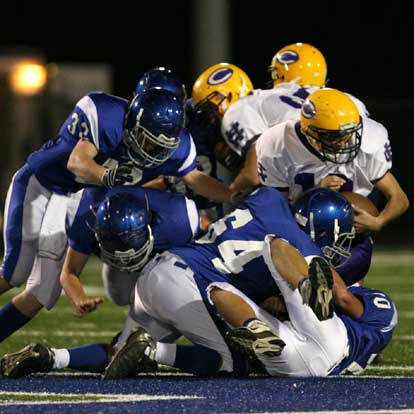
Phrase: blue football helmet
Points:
(123, 231)
(153, 125)
(161, 78)
(327, 217)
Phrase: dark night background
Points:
(367, 47)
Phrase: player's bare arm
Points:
(344, 299)
(396, 205)
(248, 176)
(157, 183)
(207, 186)
(81, 162)
(71, 284)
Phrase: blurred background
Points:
(51, 55)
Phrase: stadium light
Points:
(28, 78)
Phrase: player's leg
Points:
(326, 340)
(260, 339)
(42, 358)
(291, 271)
(249, 334)
(167, 294)
(118, 285)
(25, 207)
(43, 282)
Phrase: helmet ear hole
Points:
(323, 232)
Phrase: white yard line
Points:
(65, 333)
(406, 314)
(94, 398)
(403, 338)
(390, 368)
(390, 258)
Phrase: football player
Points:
(296, 70)
(107, 141)
(124, 226)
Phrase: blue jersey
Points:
(99, 118)
(204, 136)
(371, 333)
(175, 223)
(232, 249)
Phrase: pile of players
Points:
(274, 286)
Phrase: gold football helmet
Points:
(331, 122)
(301, 63)
(221, 85)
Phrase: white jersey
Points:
(288, 162)
(250, 116)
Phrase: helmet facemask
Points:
(147, 150)
(338, 146)
(129, 260)
(335, 246)
(275, 77)
(214, 104)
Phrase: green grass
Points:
(391, 271)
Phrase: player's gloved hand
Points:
(122, 174)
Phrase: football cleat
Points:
(254, 340)
(32, 358)
(316, 290)
(131, 359)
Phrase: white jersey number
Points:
(235, 254)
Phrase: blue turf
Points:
(220, 395)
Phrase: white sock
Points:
(61, 358)
(165, 354)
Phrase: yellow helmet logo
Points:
(220, 75)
